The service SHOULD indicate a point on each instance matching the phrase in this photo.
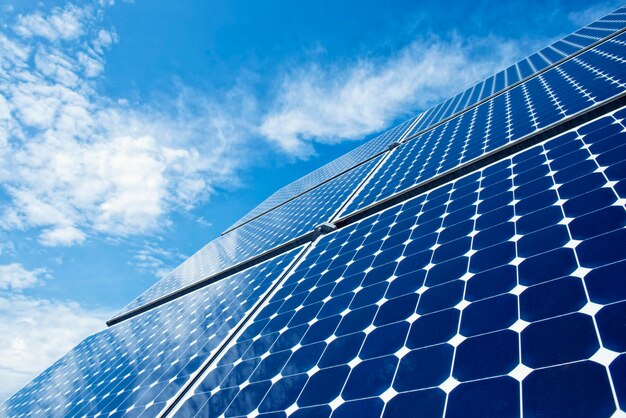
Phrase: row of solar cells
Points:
(554, 53)
(499, 295)
(594, 77)
(589, 79)
(328, 171)
(285, 223)
(505, 284)
(511, 277)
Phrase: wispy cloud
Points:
(61, 24)
(346, 102)
(156, 260)
(15, 277)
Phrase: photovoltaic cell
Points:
(328, 171)
(573, 86)
(484, 297)
(134, 368)
(561, 49)
(276, 227)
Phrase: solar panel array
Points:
(499, 293)
(478, 269)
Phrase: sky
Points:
(134, 132)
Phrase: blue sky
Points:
(134, 132)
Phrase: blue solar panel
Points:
(554, 53)
(328, 171)
(134, 368)
(285, 223)
(573, 86)
(498, 293)
(485, 297)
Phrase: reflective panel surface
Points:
(330, 170)
(484, 298)
(134, 368)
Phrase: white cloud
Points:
(37, 332)
(15, 277)
(75, 162)
(61, 24)
(335, 103)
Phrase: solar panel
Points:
(571, 44)
(591, 78)
(485, 297)
(476, 270)
(287, 222)
(134, 368)
(329, 171)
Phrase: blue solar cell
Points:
(424, 368)
(489, 315)
(486, 355)
(611, 322)
(565, 391)
(370, 378)
(434, 328)
(491, 283)
(559, 340)
(324, 386)
(553, 298)
(468, 399)
(606, 284)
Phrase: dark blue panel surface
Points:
(456, 321)
(135, 368)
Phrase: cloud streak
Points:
(15, 277)
(336, 103)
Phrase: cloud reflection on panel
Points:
(137, 366)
